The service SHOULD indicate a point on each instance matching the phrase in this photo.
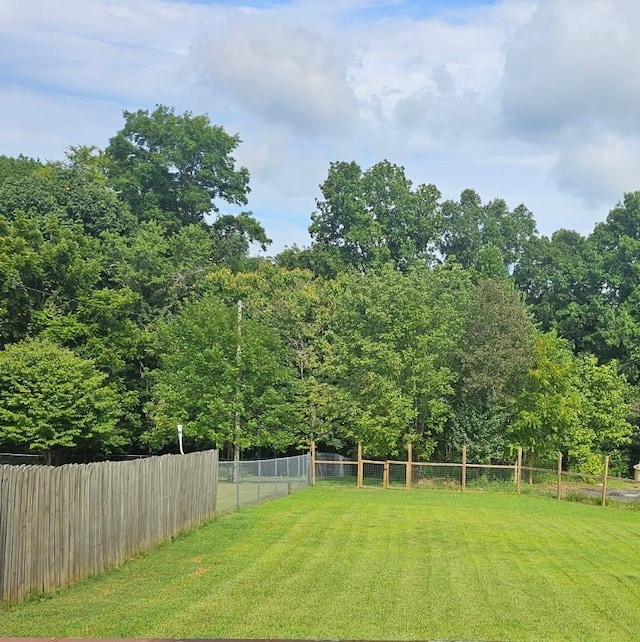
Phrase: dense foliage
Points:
(129, 303)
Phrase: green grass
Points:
(346, 563)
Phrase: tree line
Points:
(129, 303)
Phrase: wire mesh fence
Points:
(331, 468)
(430, 475)
(373, 473)
(491, 477)
(244, 483)
(397, 474)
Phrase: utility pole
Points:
(236, 438)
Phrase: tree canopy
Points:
(176, 166)
(51, 400)
(408, 319)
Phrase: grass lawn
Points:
(346, 563)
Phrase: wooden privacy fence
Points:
(61, 524)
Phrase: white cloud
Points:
(281, 70)
(574, 65)
(534, 100)
(131, 50)
(572, 86)
(600, 170)
(37, 125)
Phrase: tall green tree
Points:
(376, 216)
(469, 226)
(558, 276)
(389, 349)
(54, 403)
(21, 165)
(228, 384)
(495, 353)
(587, 288)
(72, 191)
(46, 266)
(573, 405)
(496, 349)
(175, 167)
(296, 305)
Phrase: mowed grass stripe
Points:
(343, 563)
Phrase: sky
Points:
(532, 101)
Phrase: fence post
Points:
(275, 476)
(409, 473)
(463, 474)
(236, 474)
(604, 481)
(259, 476)
(313, 462)
(360, 479)
(519, 470)
(385, 475)
(216, 480)
(559, 493)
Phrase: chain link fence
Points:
(244, 483)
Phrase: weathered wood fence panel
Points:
(60, 525)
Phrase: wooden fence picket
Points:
(61, 524)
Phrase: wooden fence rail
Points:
(60, 525)
(410, 472)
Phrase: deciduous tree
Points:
(211, 369)
(175, 167)
(376, 216)
(53, 402)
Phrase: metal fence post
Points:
(559, 493)
(259, 476)
(236, 474)
(463, 471)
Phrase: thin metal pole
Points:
(463, 476)
(288, 477)
(605, 474)
(236, 437)
(236, 474)
(559, 493)
(259, 475)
